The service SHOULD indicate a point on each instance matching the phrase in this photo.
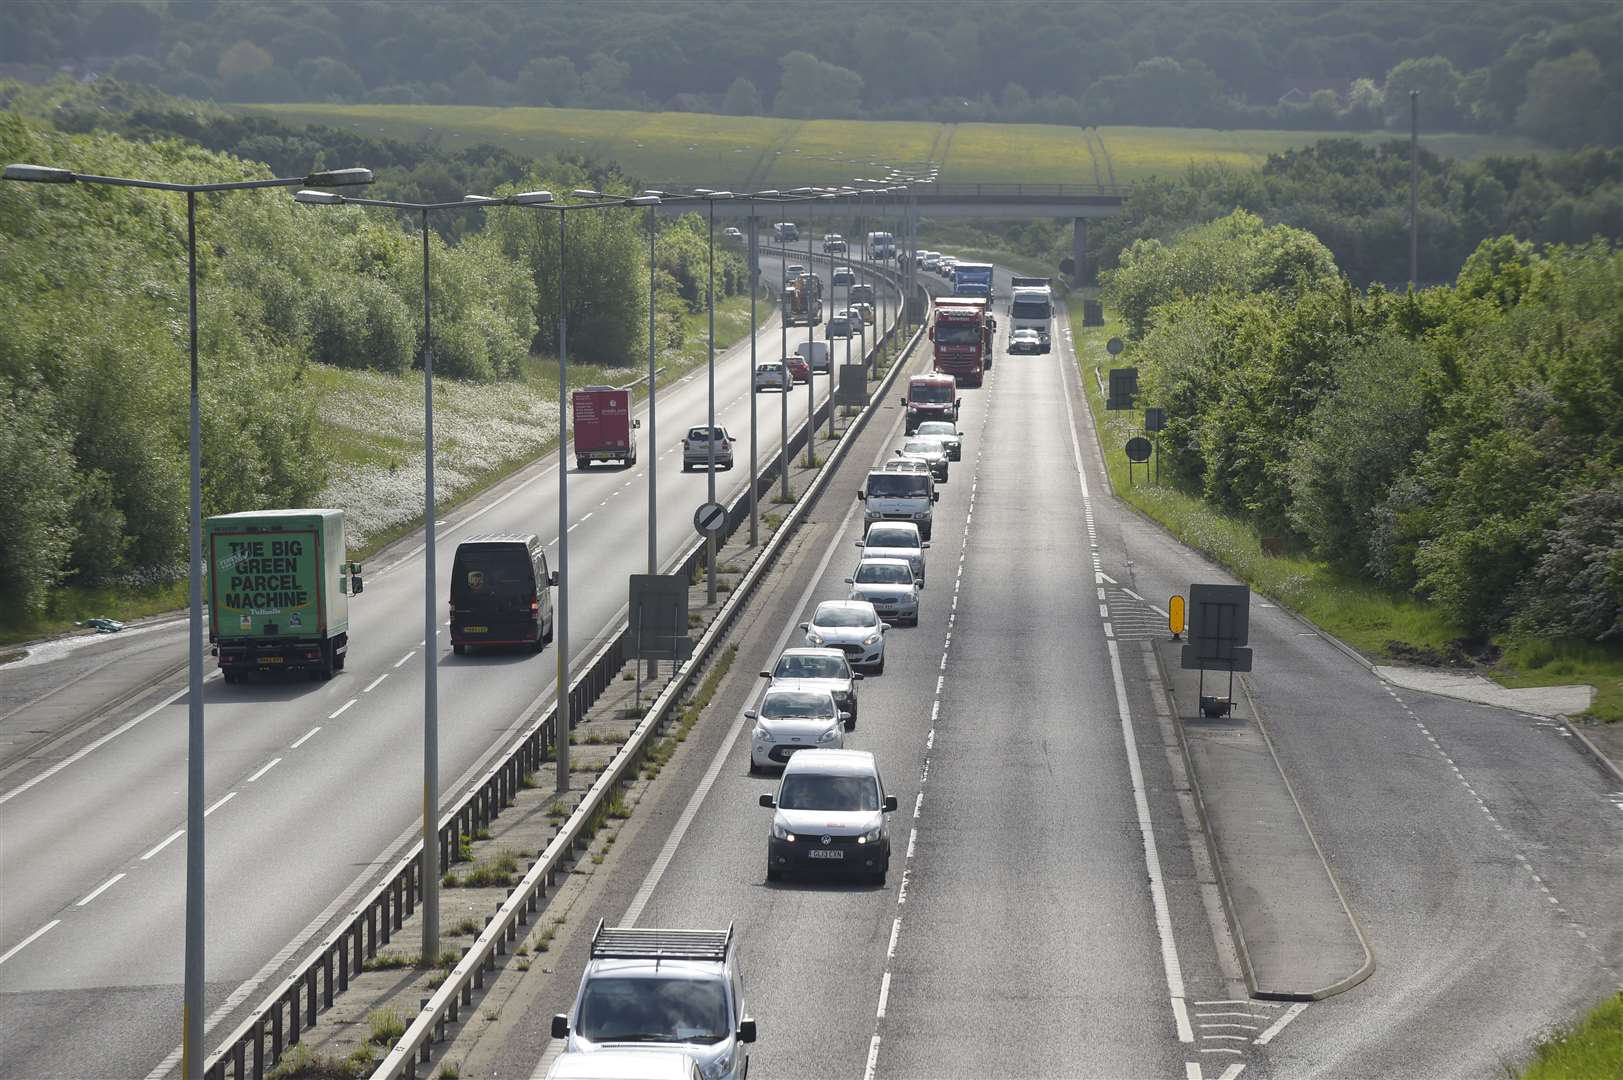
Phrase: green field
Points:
(751, 153)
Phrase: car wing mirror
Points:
(859, 543)
(766, 674)
(861, 494)
(552, 578)
(856, 676)
(636, 424)
(560, 1026)
(751, 714)
(918, 583)
(805, 626)
(768, 801)
(924, 544)
(746, 1030)
(890, 803)
(850, 581)
(935, 496)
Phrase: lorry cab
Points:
(932, 396)
(899, 496)
(501, 593)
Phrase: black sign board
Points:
(659, 617)
(1155, 419)
(1123, 388)
(1138, 449)
(1219, 618)
(853, 387)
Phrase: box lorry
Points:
(973, 279)
(1031, 307)
(603, 425)
(278, 590)
(961, 331)
(802, 302)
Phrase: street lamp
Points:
(192, 1012)
(651, 199)
(712, 197)
(565, 722)
(430, 867)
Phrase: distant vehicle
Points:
(640, 1064)
(656, 988)
(1026, 340)
(102, 625)
(1031, 307)
(899, 496)
(844, 275)
(839, 326)
(802, 304)
(851, 626)
(961, 330)
(864, 311)
(792, 271)
(973, 279)
(817, 354)
(830, 816)
(603, 425)
(818, 669)
(860, 294)
(799, 370)
(771, 375)
(889, 585)
(931, 397)
(278, 591)
(895, 540)
(947, 264)
(785, 232)
(927, 260)
(731, 232)
(501, 593)
(949, 435)
(931, 453)
(789, 721)
(696, 448)
(881, 245)
(833, 244)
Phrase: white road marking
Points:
(103, 741)
(884, 996)
(372, 685)
(268, 767)
(225, 799)
(99, 889)
(873, 1058)
(165, 842)
(1279, 1025)
(403, 659)
(333, 716)
(305, 737)
(37, 934)
(895, 928)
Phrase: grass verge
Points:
(1378, 622)
(1591, 1049)
(661, 752)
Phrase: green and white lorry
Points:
(278, 591)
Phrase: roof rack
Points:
(631, 943)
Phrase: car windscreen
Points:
(667, 1008)
(809, 791)
(937, 427)
(934, 392)
(1029, 309)
(897, 485)
(882, 537)
(796, 704)
(923, 448)
(957, 334)
(700, 434)
(811, 667)
(492, 572)
(841, 616)
(883, 574)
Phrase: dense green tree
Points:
(742, 98)
(812, 87)
(1569, 104)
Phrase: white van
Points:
(900, 496)
(816, 354)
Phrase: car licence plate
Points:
(825, 853)
(271, 659)
(476, 629)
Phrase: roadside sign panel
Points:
(710, 519)
(659, 617)
(1138, 449)
(1155, 419)
(853, 387)
(1123, 388)
(1219, 623)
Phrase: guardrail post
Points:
(326, 979)
(386, 901)
(371, 932)
(360, 962)
(239, 1060)
(343, 963)
(276, 1033)
(259, 1051)
(310, 998)
(293, 1015)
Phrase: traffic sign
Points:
(1138, 449)
(1155, 419)
(710, 519)
(1114, 346)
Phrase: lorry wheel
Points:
(458, 648)
(338, 664)
(580, 462)
(230, 676)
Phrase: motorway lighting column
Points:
(711, 197)
(192, 1008)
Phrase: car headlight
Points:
(871, 837)
(760, 734)
(718, 1068)
(871, 639)
(831, 735)
(814, 637)
(781, 833)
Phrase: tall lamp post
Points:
(430, 867)
(192, 1011)
(712, 197)
(565, 722)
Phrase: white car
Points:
(946, 433)
(830, 816)
(947, 265)
(851, 626)
(1025, 341)
(818, 669)
(895, 540)
(696, 448)
(771, 375)
(793, 271)
(731, 232)
(844, 275)
(889, 585)
(793, 720)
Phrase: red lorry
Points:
(962, 332)
(603, 426)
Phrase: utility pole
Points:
(1414, 189)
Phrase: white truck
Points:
(881, 246)
(1031, 307)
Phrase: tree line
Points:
(1463, 442)
(93, 334)
(1552, 69)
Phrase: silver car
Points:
(889, 585)
(830, 817)
(818, 669)
(793, 720)
(947, 433)
(895, 540)
(696, 448)
(851, 626)
(771, 375)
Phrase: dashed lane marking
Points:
(267, 767)
(29, 940)
(308, 734)
(99, 889)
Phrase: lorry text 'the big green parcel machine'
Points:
(278, 591)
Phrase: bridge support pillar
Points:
(1084, 274)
